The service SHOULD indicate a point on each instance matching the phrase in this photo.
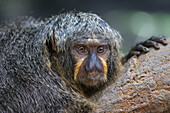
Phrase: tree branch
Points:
(144, 85)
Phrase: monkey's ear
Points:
(51, 42)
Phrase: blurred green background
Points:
(136, 20)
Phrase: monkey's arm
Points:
(143, 47)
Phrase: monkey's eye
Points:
(81, 49)
(101, 49)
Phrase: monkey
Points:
(27, 84)
(55, 65)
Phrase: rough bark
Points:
(144, 85)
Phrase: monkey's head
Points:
(83, 48)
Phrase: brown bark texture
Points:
(143, 87)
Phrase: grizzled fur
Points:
(28, 80)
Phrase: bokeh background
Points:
(136, 20)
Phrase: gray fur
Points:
(27, 81)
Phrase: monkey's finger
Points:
(150, 43)
(141, 48)
(160, 39)
(132, 53)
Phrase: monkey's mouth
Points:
(92, 79)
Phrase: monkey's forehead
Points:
(94, 41)
(73, 26)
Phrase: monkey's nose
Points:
(93, 63)
(94, 67)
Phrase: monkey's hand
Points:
(143, 47)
